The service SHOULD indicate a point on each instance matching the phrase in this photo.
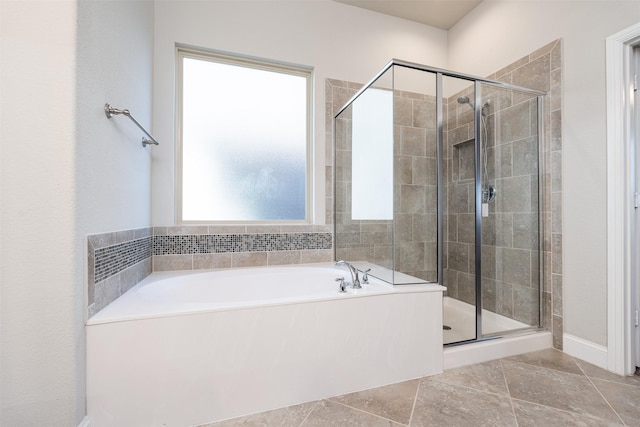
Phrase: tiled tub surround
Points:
(116, 262)
(119, 260)
(540, 70)
(206, 247)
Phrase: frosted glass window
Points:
(372, 158)
(244, 140)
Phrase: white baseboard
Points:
(85, 422)
(582, 349)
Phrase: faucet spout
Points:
(355, 280)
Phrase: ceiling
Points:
(442, 14)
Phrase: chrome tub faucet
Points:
(355, 280)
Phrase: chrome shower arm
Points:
(109, 111)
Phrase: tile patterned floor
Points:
(545, 388)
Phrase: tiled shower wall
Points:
(416, 185)
(510, 257)
(117, 261)
(413, 232)
(542, 70)
(510, 243)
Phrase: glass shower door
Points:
(510, 200)
(459, 209)
(492, 204)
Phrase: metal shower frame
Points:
(440, 73)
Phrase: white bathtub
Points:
(185, 348)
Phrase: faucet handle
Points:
(365, 276)
(343, 286)
(356, 280)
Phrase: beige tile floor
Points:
(545, 388)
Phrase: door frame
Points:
(635, 220)
(619, 200)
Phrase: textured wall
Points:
(41, 322)
(66, 171)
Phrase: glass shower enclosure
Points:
(438, 177)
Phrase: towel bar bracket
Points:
(109, 111)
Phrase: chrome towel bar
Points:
(109, 111)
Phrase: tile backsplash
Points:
(116, 262)
(119, 260)
(113, 259)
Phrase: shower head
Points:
(466, 100)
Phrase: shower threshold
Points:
(461, 318)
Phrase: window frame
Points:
(246, 61)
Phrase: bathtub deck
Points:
(196, 368)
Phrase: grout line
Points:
(583, 375)
(545, 367)
(506, 383)
(471, 388)
(310, 412)
(614, 382)
(570, 373)
(609, 380)
(602, 395)
(365, 412)
(581, 414)
(415, 400)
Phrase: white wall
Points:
(66, 172)
(113, 170)
(115, 61)
(340, 41)
(497, 33)
(40, 317)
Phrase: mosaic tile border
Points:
(112, 260)
(222, 243)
